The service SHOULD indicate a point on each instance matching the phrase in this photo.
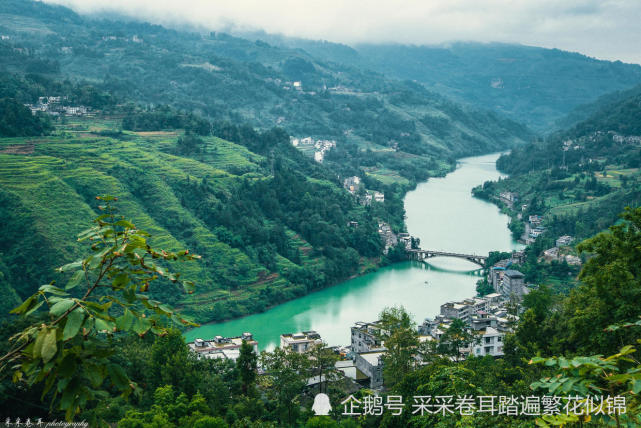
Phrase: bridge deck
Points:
(479, 260)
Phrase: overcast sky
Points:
(606, 29)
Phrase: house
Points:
(551, 254)
(366, 337)
(371, 365)
(536, 232)
(222, 347)
(513, 283)
(379, 197)
(491, 343)
(405, 239)
(352, 184)
(564, 240)
(458, 310)
(465, 309)
(509, 198)
(573, 260)
(495, 275)
(535, 220)
(300, 342)
(388, 237)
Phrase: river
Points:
(445, 216)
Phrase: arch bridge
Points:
(421, 255)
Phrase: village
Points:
(55, 106)
(486, 321)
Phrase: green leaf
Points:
(76, 279)
(25, 306)
(73, 324)
(48, 288)
(125, 223)
(35, 308)
(125, 321)
(118, 376)
(141, 325)
(95, 374)
(37, 346)
(104, 325)
(62, 306)
(189, 287)
(120, 280)
(49, 345)
(70, 266)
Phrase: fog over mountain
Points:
(603, 29)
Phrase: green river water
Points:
(445, 216)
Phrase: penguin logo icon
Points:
(321, 405)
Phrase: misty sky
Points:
(606, 29)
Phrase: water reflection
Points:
(444, 215)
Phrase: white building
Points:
(371, 365)
(366, 337)
(222, 347)
(564, 241)
(491, 343)
(300, 342)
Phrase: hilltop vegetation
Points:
(221, 77)
(181, 129)
(581, 177)
(270, 225)
(530, 85)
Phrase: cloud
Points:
(607, 29)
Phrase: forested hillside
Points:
(181, 127)
(532, 85)
(225, 77)
(579, 178)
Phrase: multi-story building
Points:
(371, 365)
(300, 342)
(491, 343)
(366, 337)
(222, 347)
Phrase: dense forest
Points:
(578, 178)
(221, 77)
(531, 85)
(559, 349)
(178, 144)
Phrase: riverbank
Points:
(445, 216)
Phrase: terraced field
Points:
(53, 182)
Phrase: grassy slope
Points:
(56, 178)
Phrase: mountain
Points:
(586, 111)
(531, 85)
(269, 222)
(579, 178)
(224, 77)
(192, 133)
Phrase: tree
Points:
(287, 374)
(610, 291)
(618, 375)
(323, 364)
(400, 338)
(456, 337)
(247, 365)
(70, 350)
